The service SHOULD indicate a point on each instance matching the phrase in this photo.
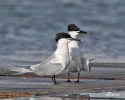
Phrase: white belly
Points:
(75, 58)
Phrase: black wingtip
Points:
(91, 59)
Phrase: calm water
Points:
(28, 28)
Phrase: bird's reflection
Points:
(48, 98)
(45, 98)
(57, 98)
(69, 97)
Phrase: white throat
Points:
(73, 44)
(73, 34)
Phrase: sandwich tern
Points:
(76, 56)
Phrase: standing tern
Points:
(54, 64)
(76, 56)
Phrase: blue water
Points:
(28, 28)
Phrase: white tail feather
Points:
(20, 70)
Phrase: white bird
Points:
(54, 64)
(79, 61)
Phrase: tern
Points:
(57, 63)
(79, 61)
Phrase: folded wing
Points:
(85, 63)
(50, 66)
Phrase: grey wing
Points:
(49, 66)
(85, 63)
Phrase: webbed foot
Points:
(68, 81)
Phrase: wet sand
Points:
(45, 85)
(103, 78)
(28, 87)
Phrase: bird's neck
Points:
(73, 34)
(63, 51)
(73, 44)
(62, 48)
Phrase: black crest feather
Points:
(62, 35)
(73, 27)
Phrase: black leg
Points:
(78, 76)
(68, 77)
(55, 80)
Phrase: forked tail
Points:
(20, 70)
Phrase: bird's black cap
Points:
(73, 27)
(62, 35)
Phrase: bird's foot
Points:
(55, 83)
(68, 80)
(77, 81)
